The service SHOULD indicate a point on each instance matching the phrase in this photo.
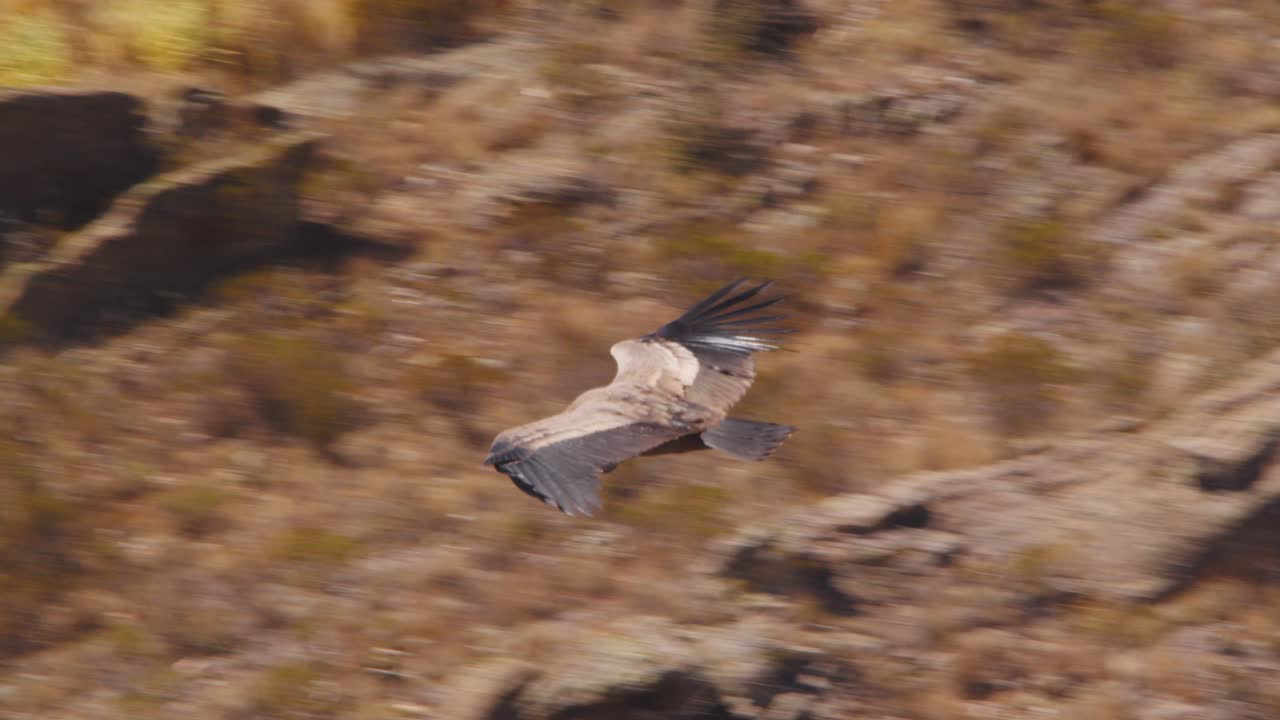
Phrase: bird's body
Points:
(672, 393)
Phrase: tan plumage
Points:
(672, 392)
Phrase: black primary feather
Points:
(722, 322)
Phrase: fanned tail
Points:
(747, 439)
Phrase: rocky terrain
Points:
(255, 339)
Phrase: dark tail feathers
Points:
(747, 439)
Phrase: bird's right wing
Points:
(721, 332)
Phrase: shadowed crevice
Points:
(677, 696)
(766, 570)
(1215, 474)
(1249, 552)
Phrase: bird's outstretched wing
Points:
(565, 472)
(722, 322)
(722, 332)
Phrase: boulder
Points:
(164, 239)
(646, 667)
(637, 662)
(487, 691)
(67, 153)
(1115, 516)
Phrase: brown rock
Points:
(672, 671)
(488, 691)
(1117, 516)
(636, 660)
(68, 152)
(165, 238)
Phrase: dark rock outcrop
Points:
(67, 153)
(165, 239)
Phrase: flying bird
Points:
(672, 393)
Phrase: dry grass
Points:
(951, 444)
(649, 35)
(298, 386)
(197, 510)
(467, 124)
(43, 41)
(575, 73)
(34, 49)
(39, 531)
(456, 383)
(1122, 625)
(912, 30)
(902, 236)
(1105, 704)
(313, 547)
(1044, 254)
(697, 510)
(297, 689)
(1022, 375)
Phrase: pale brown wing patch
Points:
(664, 366)
(722, 379)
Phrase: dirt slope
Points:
(1035, 278)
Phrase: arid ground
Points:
(273, 273)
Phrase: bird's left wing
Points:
(563, 468)
(721, 332)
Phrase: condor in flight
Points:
(672, 393)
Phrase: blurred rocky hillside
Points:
(273, 273)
